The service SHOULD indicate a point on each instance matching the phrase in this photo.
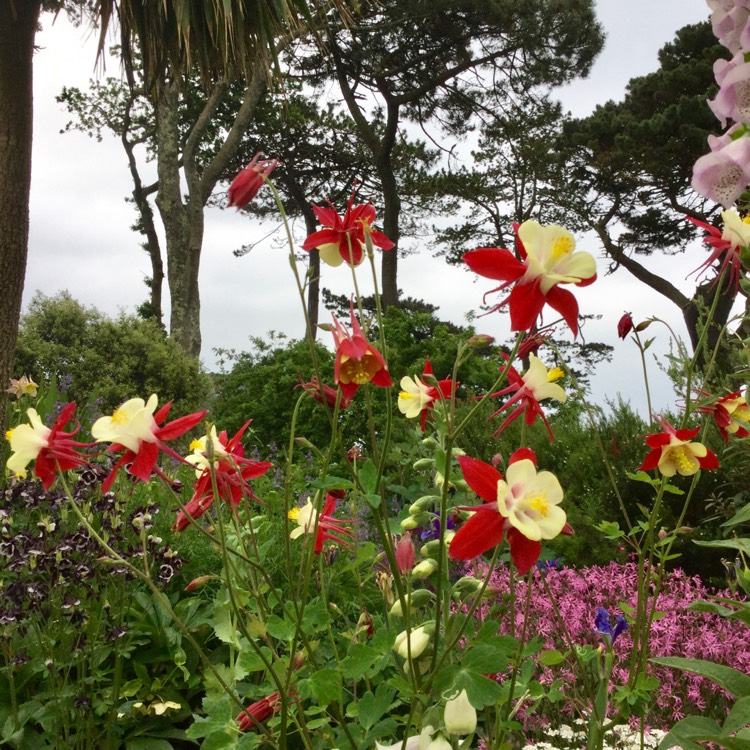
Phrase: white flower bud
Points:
(460, 716)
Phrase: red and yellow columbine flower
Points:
(726, 245)
(135, 427)
(357, 361)
(418, 397)
(49, 448)
(536, 384)
(249, 181)
(547, 260)
(674, 453)
(522, 507)
(325, 528)
(232, 471)
(342, 240)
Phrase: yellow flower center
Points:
(293, 514)
(120, 417)
(555, 374)
(540, 505)
(359, 371)
(9, 434)
(681, 456)
(196, 444)
(562, 246)
(746, 219)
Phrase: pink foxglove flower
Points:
(729, 20)
(732, 102)
(723, 174)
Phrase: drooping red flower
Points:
(731, 414)
(418, 395)
(357, 361)
(405, 554)
(547, 260)
(625, 325)
(342, 239)
(232, 469)
(524, 508)
(51, 448)
(249, 181)
(531, 344)
(673, 452)
(259, 711)
(136, 428)
(322, 393)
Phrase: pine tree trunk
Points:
(18, 25)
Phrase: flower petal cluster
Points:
(50, 448)
(136, 428)
(536, 385)
(418, 396)
(726, 245)
(731, 414)
(603, 625)
(232, 470)
(249, 181)
(322, 525)
(524, 507)
(342, 239)
(357, 361)
(723, 174)
(23, 386)
(673, 452)
(547, 261)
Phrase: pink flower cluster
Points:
(723, 174)
(676, 632)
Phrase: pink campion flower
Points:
(726, 246)
(731, 414)
(249, 181)
(732, 101)
(536, 384)
(323, 525)
(357, 361)
(674, 453)
(342, 239)
(136, 428)
(522, 507)
(232, 471)
(50, 448)
(547, 260)
(418, 396)
(723, 174)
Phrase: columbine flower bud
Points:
(625, 325)
(405, 554)
(196, 583)
(425, 568)
(414, 522)
(479, 341)
(439, 743)
(460, 716)
(412, 644)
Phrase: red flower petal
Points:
(566, 304)
(481, 477)
(145, 460)
(495, 263)
(525, 303)
(524, 551)
(178, 427)
(523, 453)
(481, 532)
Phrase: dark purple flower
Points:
(603, 625)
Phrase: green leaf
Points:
(740, 544)
(741, 516)
(733, 681)
(368, 475)
(316, 617)
(641, 476)
(371, 706)
(224, 626)
(284, 630)
(324, 685)
(738, 717)
(332, 483)
(481, 690)
(373, 500)
(687, 730)
(147, 743)
(610, 529)
(358, 661)
(484, 659)
(550, 658)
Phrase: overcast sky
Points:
(81, 238)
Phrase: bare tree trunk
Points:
(18, 25)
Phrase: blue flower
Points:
(433, 531)
(603, 625)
